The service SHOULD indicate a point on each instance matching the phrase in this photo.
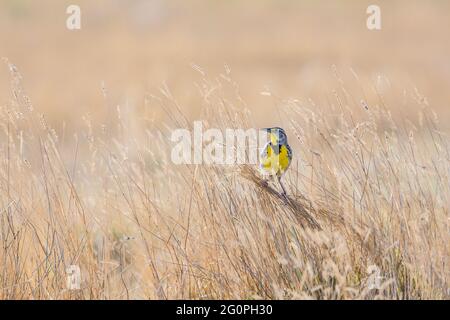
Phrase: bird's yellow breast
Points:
(274, 162)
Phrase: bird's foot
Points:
(285, 197)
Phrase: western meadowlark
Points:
(276, 155)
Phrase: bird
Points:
(276, 156)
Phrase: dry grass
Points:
(364, 190)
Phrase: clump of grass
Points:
(366, 192)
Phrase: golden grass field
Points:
(86, 177)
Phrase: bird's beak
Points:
(265, 129)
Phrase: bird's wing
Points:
(265, 155)
(289, 150)
(266, 150)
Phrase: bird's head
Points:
(277, 135)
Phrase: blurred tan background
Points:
(132, 47)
